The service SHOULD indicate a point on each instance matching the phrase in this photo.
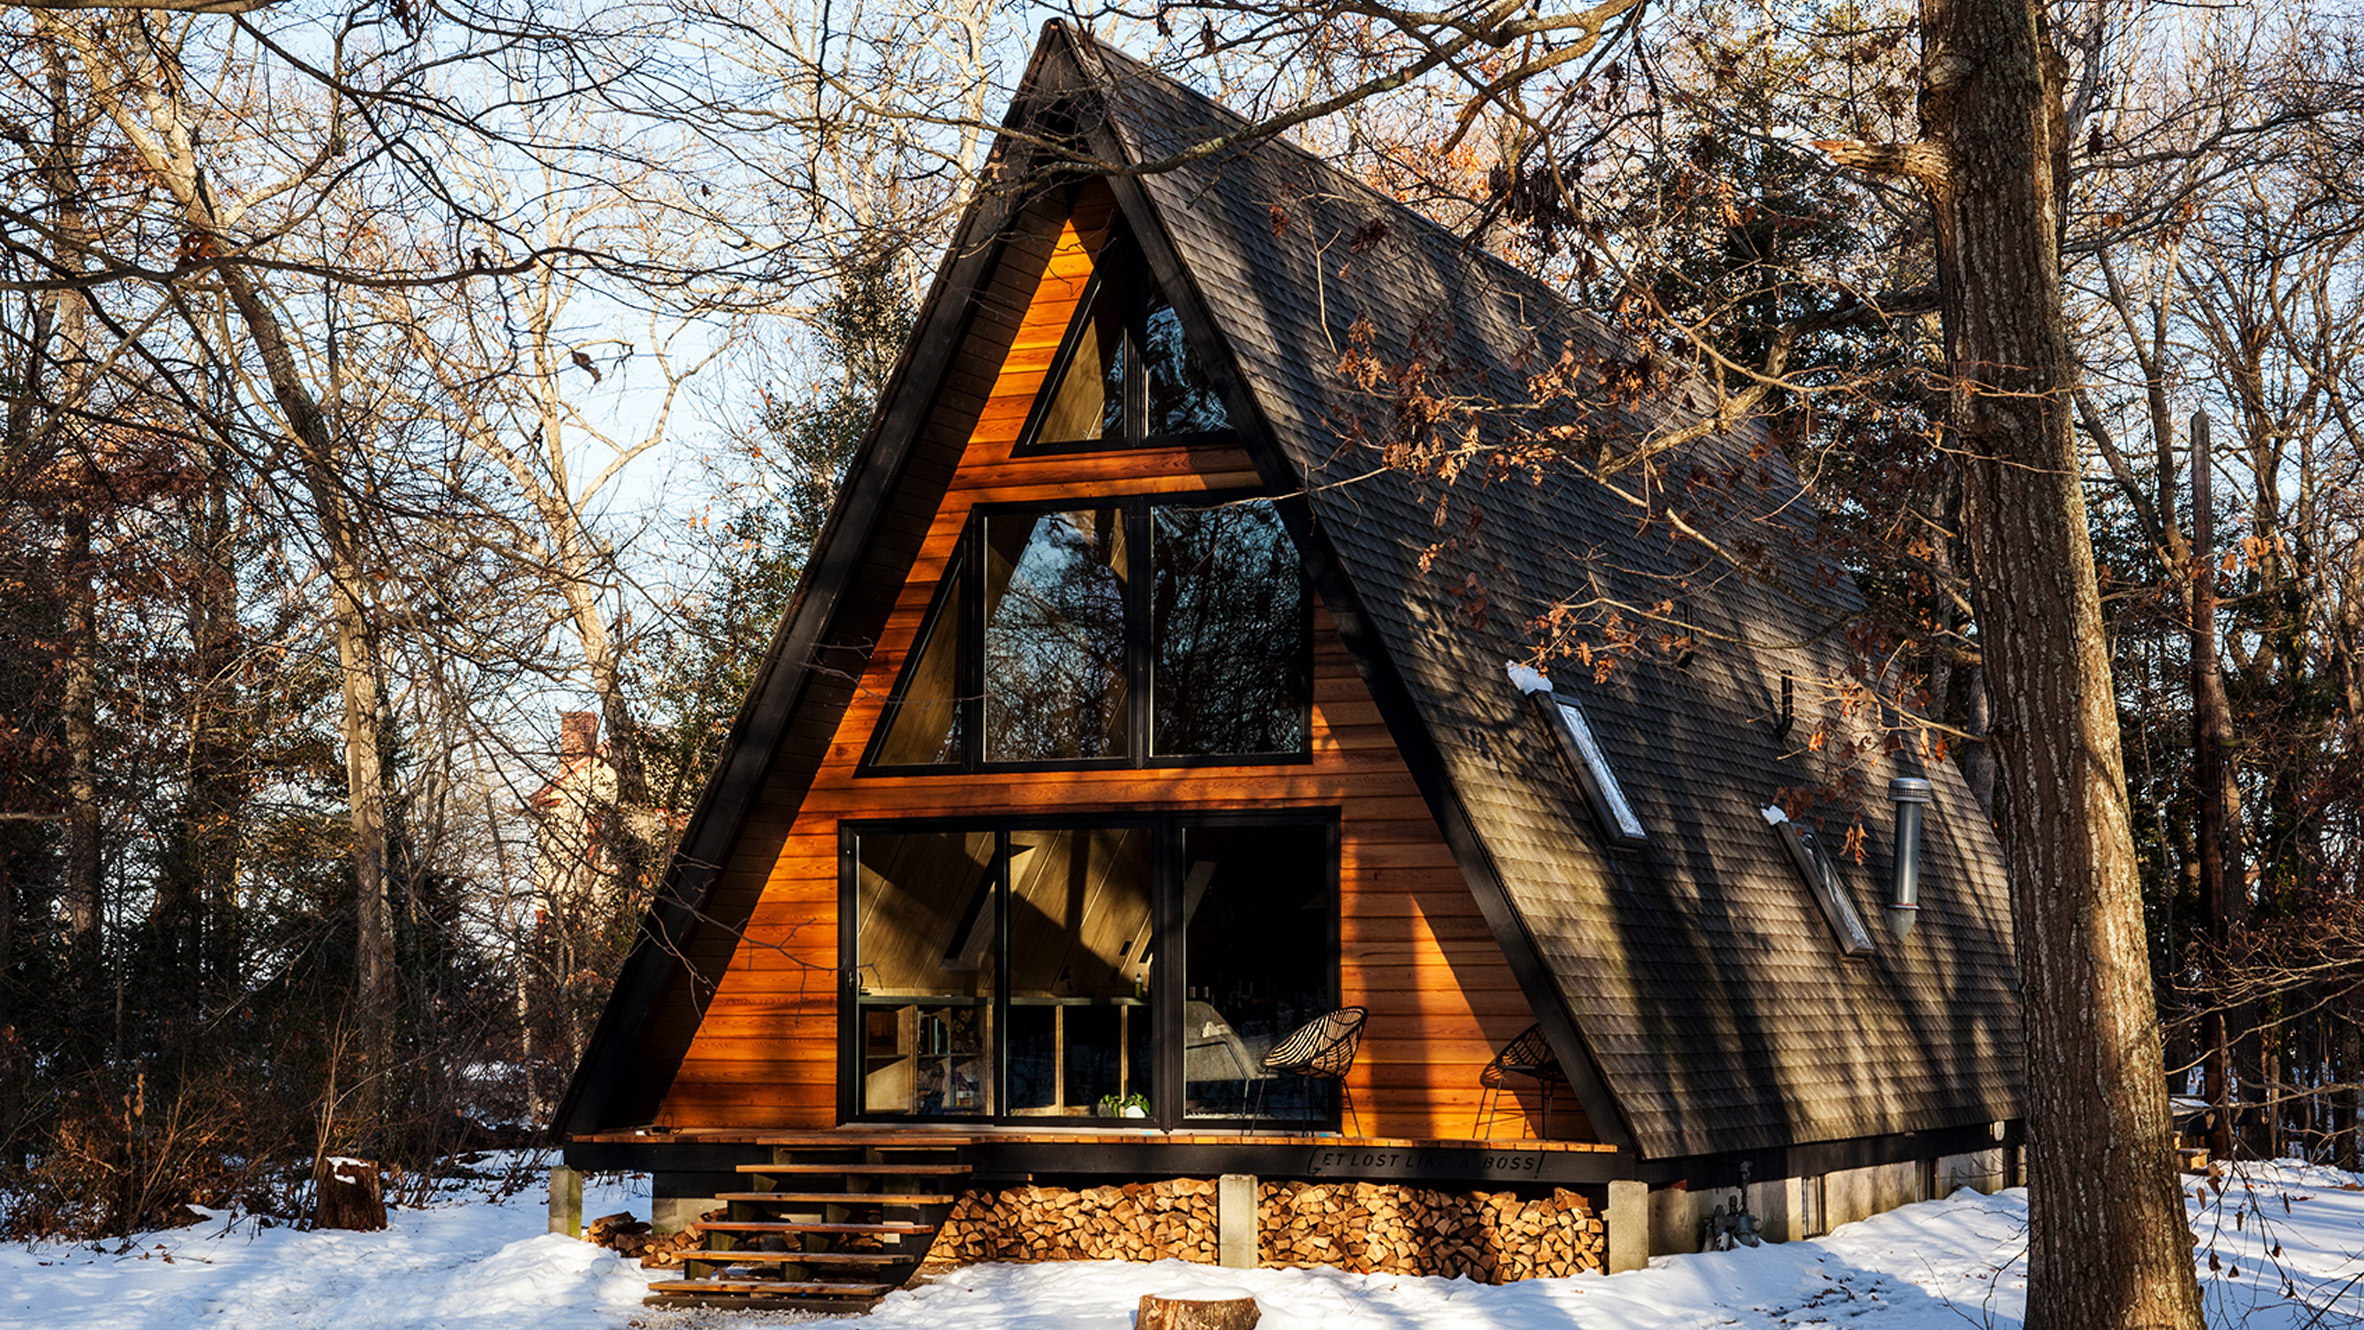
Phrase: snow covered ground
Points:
(2287, 1242)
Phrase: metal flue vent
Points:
(1910, 794)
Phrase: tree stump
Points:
(346, 1195)
(1217, 1309)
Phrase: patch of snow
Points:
(472, 1261)
(2287, 1241)
(1526, 678)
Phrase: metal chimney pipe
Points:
(1910, 794)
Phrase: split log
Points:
(615, 1225)
(346, 1194)
(1197, 1311)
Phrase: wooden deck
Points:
(856, 1136)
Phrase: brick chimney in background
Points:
(578, 734)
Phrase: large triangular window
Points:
(1126, 373)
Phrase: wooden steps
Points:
(861, 1170)
(774, 1287)
(748, 1256)
(785, 1243)
(766, 1295)
(864, 1198)
(791, 1226)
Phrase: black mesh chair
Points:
(1323, 1049)
(1527, 1054)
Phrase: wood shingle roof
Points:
(1701, 978)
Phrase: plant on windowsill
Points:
(1124, 1106)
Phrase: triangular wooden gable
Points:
(835, 652)
(1417, 950)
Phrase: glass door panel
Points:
(1260, 960)
(924, 933)
(1081, 921)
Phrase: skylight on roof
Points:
(1822, 882)
(1619, 813)
(1582, 752)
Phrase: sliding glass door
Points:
(1260, 925)
(1081, 920)
(1019, 971)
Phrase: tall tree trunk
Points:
(357, 654)
(2348, 1117)
(207, 889)
(2217, 833)
(2108, 1245)
(2102, 1178)
(1978, 755)
(70, 320)
(79, 696)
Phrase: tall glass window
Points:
(1054, 635)
(1050, 644)
(1260, 961)
(1087, 404)
(1081, 947)
(1228, 631)
(925, 928)
(1178, 396)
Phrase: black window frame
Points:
(1140, 652)
(1168, 1092)
(1121, 270)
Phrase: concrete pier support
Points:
(1628, 1226)
(566, 1201)
(1235, 1221)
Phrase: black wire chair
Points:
(1527, 1054)
(1322, 1049)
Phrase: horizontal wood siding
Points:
(1417, 952)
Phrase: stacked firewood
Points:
(1138, 1221)
(1384, 1228)
(633, 1238)
(1365, 1227)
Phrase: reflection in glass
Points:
(1229, 633)
(1080, 956)
(1258, 961)
(924, 929)
(1087, 404)
(1055, 635)
(1180, 399)
(1127, 352)
(923, 728)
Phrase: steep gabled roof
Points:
(1691, 983)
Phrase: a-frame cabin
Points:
(1135, 714)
